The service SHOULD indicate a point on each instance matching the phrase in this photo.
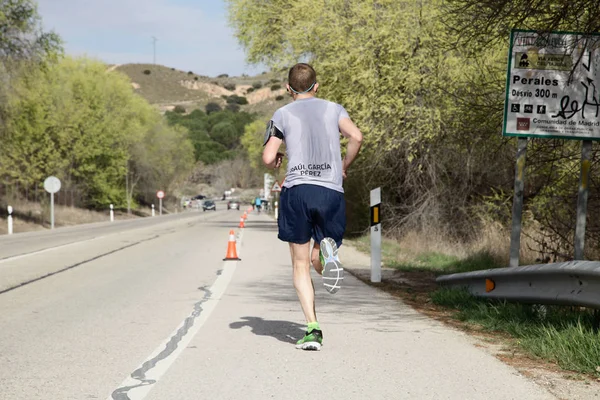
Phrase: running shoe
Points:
(312, 340)
(333, 272)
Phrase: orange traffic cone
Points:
(245, 215)
(231, 249)
(242, 223)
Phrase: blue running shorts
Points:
(311, 211)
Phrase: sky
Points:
(193, 35)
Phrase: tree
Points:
(212, 107)
(21, 34)
(477, 23)
(74, 120)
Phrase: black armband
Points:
(272, 130)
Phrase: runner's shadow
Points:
(284, 331)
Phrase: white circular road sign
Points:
(160, 194)
(52, 184)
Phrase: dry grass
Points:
(166, 87)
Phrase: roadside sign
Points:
(276, 187)
(52, 184)
(160, 194)
(553, 85)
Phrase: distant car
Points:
(233, 205)
(209, 205)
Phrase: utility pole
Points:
(154, 40)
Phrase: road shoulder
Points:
(562, 384)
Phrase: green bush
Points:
(279, 98)
(229, 86)
(212, 107)
(232, 107)
(274, 80)
(224, 96)
(147, 72)
(235, 99)
(250, 90)
(179, 109)
(190, 73)
(223, 76)
(257, 85)
(195, 78)
(275, 87)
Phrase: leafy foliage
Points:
(212, 107)
(216, 135)
(74, 120)
(235, 99)
(21, 33)
(431, 110)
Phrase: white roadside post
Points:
(10, 220)
(112, 213)
(52, 185)
(153, 213)
(276, 211)
(376, 235)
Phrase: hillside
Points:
(168, 87)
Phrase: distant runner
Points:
(312, 201)
(258, 203)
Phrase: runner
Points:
(312, 201)
(258, 203)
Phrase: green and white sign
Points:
(553, 85)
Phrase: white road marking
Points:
(138, 389)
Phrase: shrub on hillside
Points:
(232, 107)
(179, 109)
(250, 90)
(172, 69)
(212, 107)
(279, 98)
(229, 86)
(274, 80)
(223, 76)
(275, 87)
(147, 72)
(235, 99)
(190, 73)
(257, 85)
(195, 78)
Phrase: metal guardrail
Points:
(574, 283)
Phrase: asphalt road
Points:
(149, 310)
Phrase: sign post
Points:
(517, 211)
(160, 194)
(153, 212)
(276, 188)
(10, 220)
(376, 235)
(552, 92)
(582, 198)
(112, 213)
(52, 185)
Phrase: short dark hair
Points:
(301, 77)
